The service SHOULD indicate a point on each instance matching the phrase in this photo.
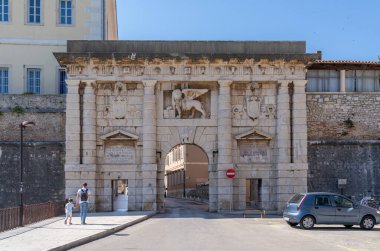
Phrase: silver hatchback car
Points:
(328, 208)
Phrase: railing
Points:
(10, 217)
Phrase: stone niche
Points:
(119, 147)
(186, 100)
(254, 147)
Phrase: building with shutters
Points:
(31, 30)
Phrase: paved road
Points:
(188, 226)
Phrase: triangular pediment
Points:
(253, 135)
(119, 135)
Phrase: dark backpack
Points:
(84, 195)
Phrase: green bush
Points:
(348, 123)
(18, 109)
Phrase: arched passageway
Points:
(186, 174)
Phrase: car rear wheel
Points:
(292, 224)
(367, 223)
(348, 226)
(307, 222)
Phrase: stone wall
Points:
(344, 142)
(44, 148)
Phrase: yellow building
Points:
(31, 30)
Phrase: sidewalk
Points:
(53, 234)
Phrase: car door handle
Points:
(316, 207)
(339, 209)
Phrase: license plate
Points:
(286, 218)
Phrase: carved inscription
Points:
(253, 151)
(120, 154)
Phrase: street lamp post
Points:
(22, 126)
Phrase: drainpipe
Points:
(291, 96)
(81, 92)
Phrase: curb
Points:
(100, 235)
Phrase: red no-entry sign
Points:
(230, 173)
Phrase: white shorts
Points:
(69, 214)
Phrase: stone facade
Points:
(44, 151)
(343, 135)
(243, 103)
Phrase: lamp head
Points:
(27, 123)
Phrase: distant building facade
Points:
(31, 30)
(186, 172)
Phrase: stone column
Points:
(291, 172)
(89, 123)
(88, 167)
(149, 164)
(72, 122)
(225, 199)
(342, 78)
(72, 143)
(299, 122)
(283, 120)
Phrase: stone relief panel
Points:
(117, 147)
(253, 151)
(254, 147)
(119, 103)
(252, 102)
(119, 153)
(186, 102)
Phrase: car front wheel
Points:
(367, 223)
(307, 222)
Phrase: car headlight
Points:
(378, 211)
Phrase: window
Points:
(4, 80)
(62, 87)
(34, 80)
(65, 12)
(322, 200)
(322, 81)
(342, 202)
(362, 81)
(296, 198)
(34, 11)
(4, 10)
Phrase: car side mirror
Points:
(356, 205)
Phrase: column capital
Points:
(72, 82)
(149, 83)
(284, 82)
(88, 81)
(300, 83)
(224, 83)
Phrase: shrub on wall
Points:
(18, 109)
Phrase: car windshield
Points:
(296, 198)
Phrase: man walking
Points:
(83, 197)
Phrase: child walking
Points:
(69, 210)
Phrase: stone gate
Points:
(130, 102)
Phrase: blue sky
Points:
(341, 29)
